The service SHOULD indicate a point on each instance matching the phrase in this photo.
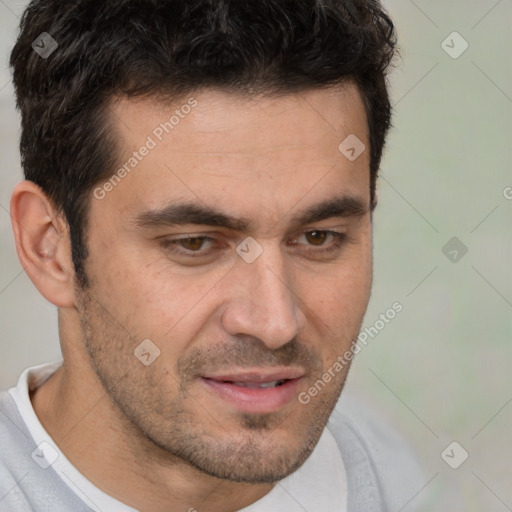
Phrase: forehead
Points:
(298, 119)
(260, 154)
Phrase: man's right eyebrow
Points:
(191, 213)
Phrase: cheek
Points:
(150, 300)
(338, 304)
(344, 288)
(131, 290)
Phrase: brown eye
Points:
(192, 244)
(189, 246)
(321, 241)
(316, 237)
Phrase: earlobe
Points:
(42, 243)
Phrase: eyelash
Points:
(339, 240)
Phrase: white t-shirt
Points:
(319, 484)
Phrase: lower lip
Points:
(255, 400)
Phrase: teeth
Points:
(271, 384)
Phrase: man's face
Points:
(238, 338)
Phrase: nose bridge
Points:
(264, 305)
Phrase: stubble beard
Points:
(264, 448)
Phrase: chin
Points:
(254, 466)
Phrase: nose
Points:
(262, 301)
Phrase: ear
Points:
(42, 243)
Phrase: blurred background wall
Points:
(440, 369)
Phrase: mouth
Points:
(255, 391)
(258, 385)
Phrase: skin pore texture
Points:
(156, 436)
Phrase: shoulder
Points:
(16, 448)
(15, 439)
(382, 471)
(26, 486)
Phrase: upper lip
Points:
(258, 375)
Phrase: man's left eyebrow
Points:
(340, 207)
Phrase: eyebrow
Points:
(194, 213)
